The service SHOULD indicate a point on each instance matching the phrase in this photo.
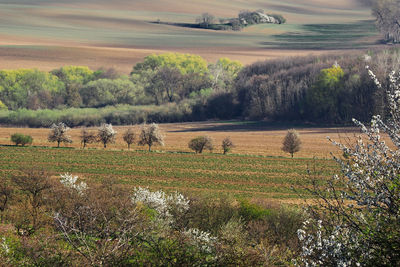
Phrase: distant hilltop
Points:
(245, 18)
(258, 17)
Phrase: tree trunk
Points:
(58, 143)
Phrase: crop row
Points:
(267, 177)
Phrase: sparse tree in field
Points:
(59, 134)
(87, 137)
(200, 143)
(205, 20)
(129, 137)
(292, 142)
(150, 135)
(227, 145)
(106, 134)
(21, 139)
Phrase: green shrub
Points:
(249, 211)
(200, 143)
(21, 139)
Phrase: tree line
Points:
(173, 87)
(150, 135)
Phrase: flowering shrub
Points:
(203, 240)
(162, 203)
(150, 135)
(59, 133)
(361, 224)
(106, 134)
(70, 181)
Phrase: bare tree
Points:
(102, 227)
(292, 142)
(205, 20)
(227, 145)
(200, 143)
(150, 135)
(5, 194)
(387, 13)
(32, 184)
(106, 134)
(170, 81)
(87, 137)
(58, 133)
(129, 137)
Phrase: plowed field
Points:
(257, 168)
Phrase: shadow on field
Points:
(239, 126)
(327, 36)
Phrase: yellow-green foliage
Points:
(74, 74)
(16, 86)
(331, 76)
(30, 79)
(185, 63)
(2, 106)
(230, 66)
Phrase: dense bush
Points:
(21, 139)
(66, 221)
(200, 143)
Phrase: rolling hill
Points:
(50, 33)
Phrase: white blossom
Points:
(369, 199)
(4, 246)
(70, 181)
(203, 240)
(163, 204)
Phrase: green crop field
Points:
(256, 177)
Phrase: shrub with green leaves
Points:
(200, 143)
(21, 139)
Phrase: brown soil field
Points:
(249, 139)
(48, 34)
(47, 58)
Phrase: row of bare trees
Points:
(149, 135)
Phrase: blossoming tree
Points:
(357, 219)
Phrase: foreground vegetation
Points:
(63, 221)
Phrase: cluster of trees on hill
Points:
(181, 87)
(245, 18)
